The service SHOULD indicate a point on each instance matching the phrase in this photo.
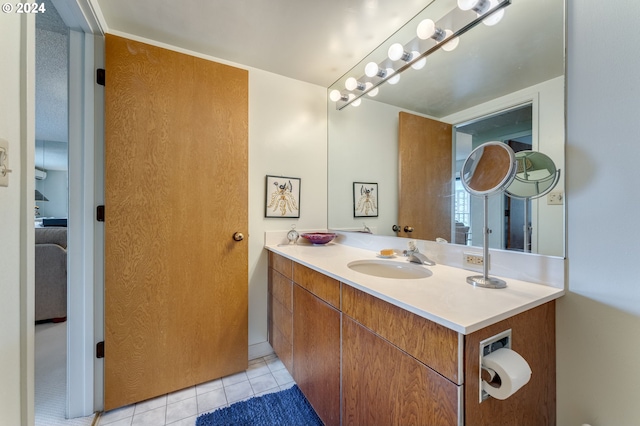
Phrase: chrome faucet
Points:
(414, 255)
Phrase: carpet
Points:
(285, 408)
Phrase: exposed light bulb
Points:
(357, 102)
(335, 95)
(478, 6)
(496, 17)
(451, 44)
(371, 92)
(418, 65)
(372, 70)
(351, 83)
(426, 29)
(467, 4)
(396, 52)
(395, 78)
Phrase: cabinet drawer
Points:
(281, 289)
(281, 264)
(322, 286)
(434, 345)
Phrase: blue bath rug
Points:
(285, 408)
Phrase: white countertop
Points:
(444, 298)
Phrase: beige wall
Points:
(16, 262)
(598, 321)
(288, 137)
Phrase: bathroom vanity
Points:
(370, 350)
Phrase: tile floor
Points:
(181, 408)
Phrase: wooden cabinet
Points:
(533, 337)
(383, 385)
(316, 353)
(280, 308)
(304, 331)
(362, 361)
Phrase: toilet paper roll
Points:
(511, 367)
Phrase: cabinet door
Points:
(280, 307)
(382, 385)
(316, 353)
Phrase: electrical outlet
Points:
(473, 260)
(555, 198)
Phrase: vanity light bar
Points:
(371, 80)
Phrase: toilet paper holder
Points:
(491, 344)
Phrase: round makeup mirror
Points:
(488, 170)
(536, 175)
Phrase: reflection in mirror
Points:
(536, 175)
(488, 170)
(499, 68)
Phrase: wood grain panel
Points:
(316, 352)
(326, 288)
(425, 177)
(283, 348)
(281, 264)
(382, 385)
(176, 191)
(283, 321)
(533, 334)
(431, 343)
(282, 289)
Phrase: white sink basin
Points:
(390, 269)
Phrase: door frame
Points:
(85, 239)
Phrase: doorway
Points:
(513, 126)
(83, 387)
(50, 217)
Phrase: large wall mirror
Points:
(502, 83)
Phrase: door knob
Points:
(396, 228)
(408, 229)
(238, 236)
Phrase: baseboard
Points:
(259, 350)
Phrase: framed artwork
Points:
(365, 199)
(283, 197)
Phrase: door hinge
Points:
(100, 349)
(100, 76)
(100, 213)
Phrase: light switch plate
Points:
(555, 198)
(4, 162)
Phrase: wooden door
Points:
(425, 177)
(176, 281)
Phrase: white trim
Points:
(80, 15)
(259, 350)
(80, 351)
(26, 178)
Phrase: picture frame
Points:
(365, 199)
(282, 197)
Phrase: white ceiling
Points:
(309, 40)
(320, 41)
